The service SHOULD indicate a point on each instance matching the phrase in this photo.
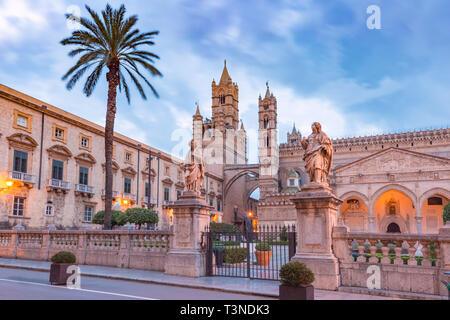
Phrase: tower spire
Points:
(225, 78)
(267, 91)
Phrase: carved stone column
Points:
(191, 215)
(317, 210)
(418, 224)
(371, 223)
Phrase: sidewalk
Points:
(226, 284)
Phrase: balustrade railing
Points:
(21, 176)
(141, 249)
(55, 183)
(387, 248)
(84, 188)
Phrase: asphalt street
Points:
(19, 284)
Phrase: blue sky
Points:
(322, 63)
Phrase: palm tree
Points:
(110, 42)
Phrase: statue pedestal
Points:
(316, 215)
(190, 217)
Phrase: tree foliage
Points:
(446, 213)
(118, 218)
(141, 216)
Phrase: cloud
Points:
(19, 18)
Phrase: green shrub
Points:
(262, 246)
(118, 218)
(419, 260)
(64, 257)
(446, 213)
(296, 274)
(140, 216)
(235, 254)
(223, 227)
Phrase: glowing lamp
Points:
(250, 214)
(9, 183)
(125, 201)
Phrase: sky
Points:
(321, 60)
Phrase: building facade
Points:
(52, 168)
(396, 182)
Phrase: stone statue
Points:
(194, 180)
(318, 154)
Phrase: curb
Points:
(191, 286)
(393, 294)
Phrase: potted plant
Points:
(58, 269)
(296, 279)
(263, 254)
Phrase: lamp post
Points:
(149, 165)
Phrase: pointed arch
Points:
(435, 191)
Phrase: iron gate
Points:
(256, 255)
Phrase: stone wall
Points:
(124, 249)
(357, 251)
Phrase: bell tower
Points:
(268, 144)
(225, 102)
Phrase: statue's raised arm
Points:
(318, 155)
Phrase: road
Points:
(18, 284)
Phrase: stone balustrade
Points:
(126, 249)
(408, 262)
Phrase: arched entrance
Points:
(432, 208)
(394, 211)
(354, 213)
(393, 228)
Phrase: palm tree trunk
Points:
(113, 82)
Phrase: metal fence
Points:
(258, 254)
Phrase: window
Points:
(127, 185)
(128, 156)
(49, 210)
(88, 213)
(57, 169)
(178, 194)
(84, 176)
(167, 171)
(22, 121)
(59, 133)
(20, 161)
(292, 182)
(85, 142)
(19, 206)
(166, 194)
(211, 202)
(218, 205)
(435, 201)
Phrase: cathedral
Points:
(396, 182)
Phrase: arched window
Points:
(435, 201)
(266, 123)
(393, 228)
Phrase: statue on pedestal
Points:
(196, 176)
(318, 154)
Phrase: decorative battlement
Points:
(428, 135)
(411, 137)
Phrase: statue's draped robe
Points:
(194, 179)
(318, 155)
